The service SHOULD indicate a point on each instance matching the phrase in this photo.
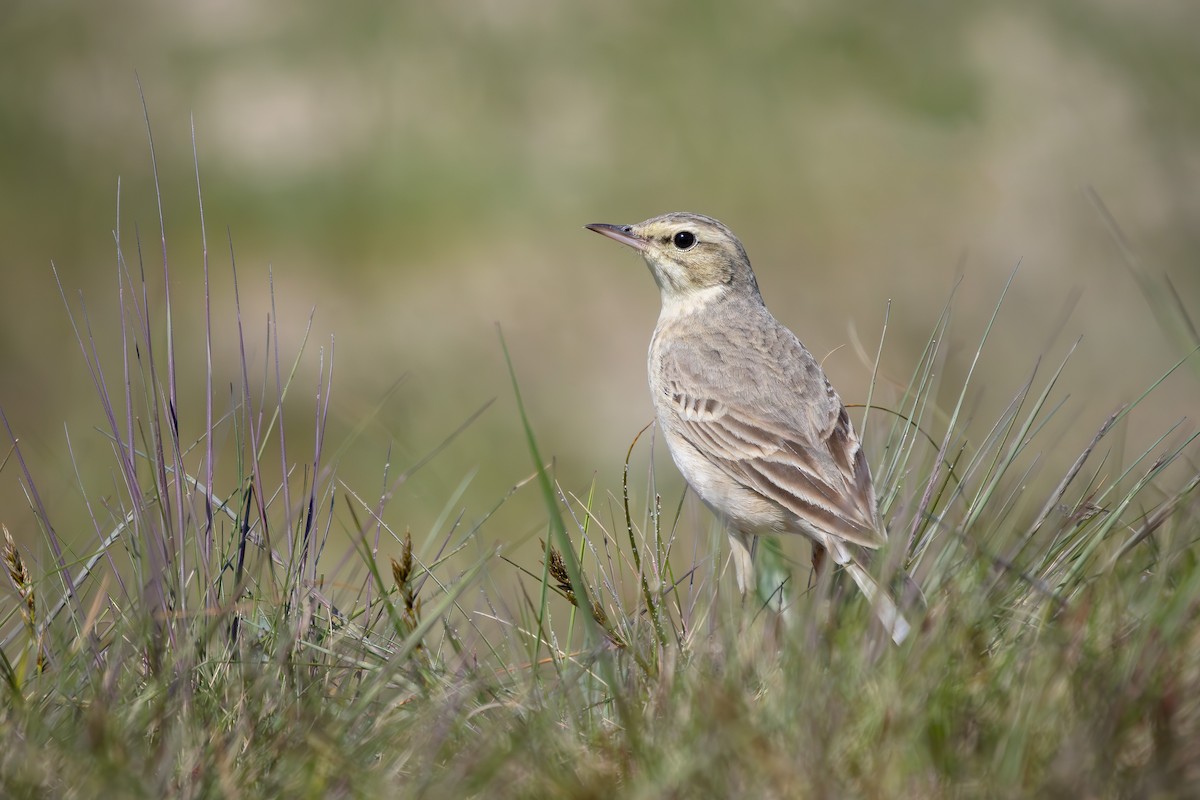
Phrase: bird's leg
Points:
(742, 554)
(818, 560)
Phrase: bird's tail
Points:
(885, 607)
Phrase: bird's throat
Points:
(676, 303)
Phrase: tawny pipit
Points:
(749, 417)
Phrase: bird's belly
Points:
(742, 506)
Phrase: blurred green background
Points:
(418, 172)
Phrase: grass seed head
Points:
(20, 577)
(402, 574)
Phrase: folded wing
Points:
(788, 437)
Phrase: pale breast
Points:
(744, 507)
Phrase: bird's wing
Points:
(778, 428)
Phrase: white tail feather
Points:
(885, 608)
(741, 550)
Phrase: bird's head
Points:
(693, 258)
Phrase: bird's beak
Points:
(620, 233)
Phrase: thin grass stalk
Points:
(1085, 556)
(688, 576)
(925, 505)
(996, 470)
(91, 513)
(277, 416)
(42, 517)
(175, 489)
(252, 431)
(376, 520)
(918, 391)
(584, 528)
(390, 491)
(897, 454)
(887, 313)
(593, 634)
(158, 530)
(1056, 496)
(205, 536)
(382, 676)
(662, 556)
(1067, 549)
(151, 584)
(1163, 299)
(1000, 468)
(558, 529)
(321, 412)
(1056, 559)
(1155, 520)
(652, 607)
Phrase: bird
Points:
(747, 413)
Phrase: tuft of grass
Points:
(243, 623)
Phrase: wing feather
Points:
(815, 489)
(778, 428)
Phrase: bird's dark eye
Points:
(684, 239)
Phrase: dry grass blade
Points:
(1056, 496)
(1156, 520)
(1161, 294)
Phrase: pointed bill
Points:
(619, 233)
